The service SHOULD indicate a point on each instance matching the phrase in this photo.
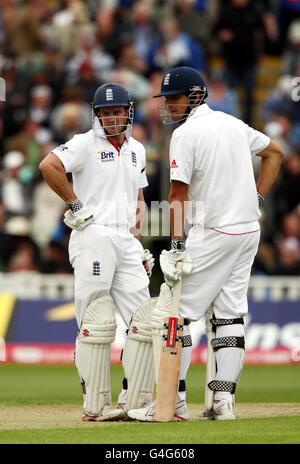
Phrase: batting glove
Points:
(78, 216)
(169, 259)
(148, 262)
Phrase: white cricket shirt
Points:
(105, 179)
(212, 152)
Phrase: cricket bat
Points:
(170, 357)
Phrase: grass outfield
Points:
(42, 404)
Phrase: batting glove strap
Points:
(75, 205)
(228, 342)
(222, 385)
(260, 199)
(178, 245)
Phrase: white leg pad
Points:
(92, 356)
(137, 358)
(161, 310)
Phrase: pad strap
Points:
(219, 322)
(222, 385)
(186, 341)
(228, 342)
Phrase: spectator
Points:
(289, 10)
(240, 31)
(287, 190)
(55, 259)
(288, 257)
(220, 97)
(23, 33)
(174, 48)
(67, 25)
(40, 104)
(193, 19)
(47, 212)
(107, 32)
(16, 85)
(101, 61)
(142, 29)
(87, 81)
(291, 225)
(24, 255)
(14, 191)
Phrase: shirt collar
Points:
(200, 111)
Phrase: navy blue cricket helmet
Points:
(111, 94)
(182, 80)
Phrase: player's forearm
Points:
(178, 199)
(140, 214)
(270, 166)
(54, 174)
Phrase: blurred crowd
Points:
(53, 56)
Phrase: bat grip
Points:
(177, 293)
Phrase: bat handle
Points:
(177, 292)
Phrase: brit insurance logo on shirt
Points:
(106, 156)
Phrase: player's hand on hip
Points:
(78, 216)
(148, 262)
(169, 259)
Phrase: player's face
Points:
(177, 105)
(113, 119)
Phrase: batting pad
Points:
(137, 358)
(161, 310)
(92, 356)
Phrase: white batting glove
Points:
(78, 216)
(148, 262)
(169, 259)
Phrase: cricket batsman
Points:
(105, 211)
(213, 189)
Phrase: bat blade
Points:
(169, 370)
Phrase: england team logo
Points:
(133, 157)
(96, 268)
(167, 79)
(109, 94)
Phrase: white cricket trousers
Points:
(108, 259)
(221, 271)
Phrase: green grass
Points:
(55, 385)
(278, 430)
(48, 384)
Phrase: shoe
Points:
(107, 413)
(223, 410)
(146, 414)
(208, 414)
(146, 399)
